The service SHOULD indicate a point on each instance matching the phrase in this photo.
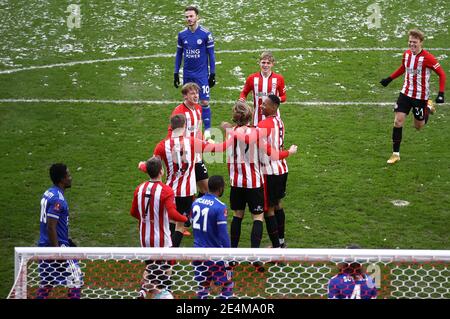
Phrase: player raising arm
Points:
(417, 64)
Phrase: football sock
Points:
(256, 235)
(426, 114)
(396, 138)
(279, 214)
(235, 231)
(176, 238)
(272, 230)
(206, 116)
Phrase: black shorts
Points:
(254, 197)
(405, 103)
(201, 172)
(184, 204)
(274, 188)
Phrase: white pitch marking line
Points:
(50, 66)
(89, 101)
(166, 55)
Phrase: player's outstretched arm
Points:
(276, 155)
(174, 215)
(142, 166)
(385, 82)
(292, 149)
(210, 147)
(226, 125)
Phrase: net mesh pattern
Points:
(123, 278)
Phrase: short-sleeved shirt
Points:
(262, 87)
(344, 286)
(209, 222)
(417, 74)
(195, 46)
(54, 205)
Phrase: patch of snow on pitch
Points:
(400, 203)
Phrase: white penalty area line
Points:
(168, 55)
(171, 103)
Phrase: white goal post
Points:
(110, 272)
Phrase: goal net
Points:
(110, 273)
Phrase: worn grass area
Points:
(339, 190)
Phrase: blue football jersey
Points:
(209, 222)
(196, 47)
(53, 205)
(343, 286)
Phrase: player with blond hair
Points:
(417, 64)
(262, 84)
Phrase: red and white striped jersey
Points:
(244, 149)
(262, 87)
(273, 129)
(418, 71)
(243, 163)
(193, 120)
(179, 157)
(149, 206)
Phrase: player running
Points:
(417, 63)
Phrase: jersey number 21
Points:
(196, 222)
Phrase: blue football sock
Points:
(206, 116)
